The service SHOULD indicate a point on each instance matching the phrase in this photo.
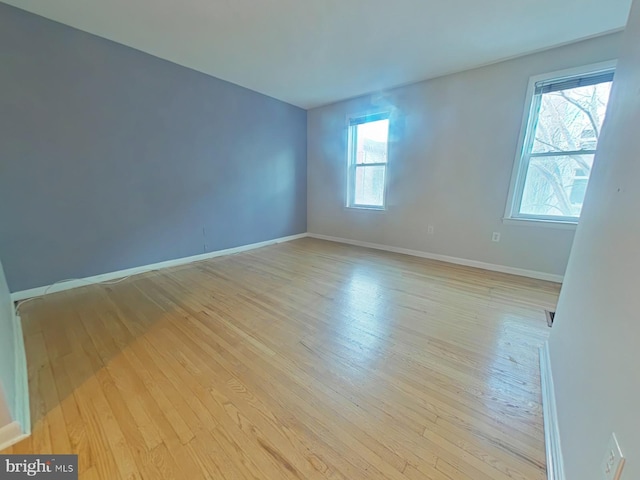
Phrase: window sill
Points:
(365, 208)
(530, 222)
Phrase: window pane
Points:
(555, 186)
(369, 186)
(371, 144)
(571, 119)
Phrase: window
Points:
(559, 144)
(367, 167)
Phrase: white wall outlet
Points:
(495, 237)
(429, 229)
(613, 462)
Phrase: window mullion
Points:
(561, 153)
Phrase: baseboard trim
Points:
(81, 282)
(445, 258)
(105, 277)
(10, 434)
(21, 406)
(555, 464)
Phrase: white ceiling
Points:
(311, 53)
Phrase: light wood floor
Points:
(304, 360)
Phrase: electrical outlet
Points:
(429, 229)
(495, 237)
(613, 462)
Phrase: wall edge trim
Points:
(22, 405)
(11, 434)
(555, 463)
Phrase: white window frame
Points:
(521, 164)
(352, 160)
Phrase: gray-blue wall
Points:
(111, 158)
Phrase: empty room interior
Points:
(320, 240)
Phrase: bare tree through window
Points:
(563, 134)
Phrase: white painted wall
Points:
(454, 141)
(7, 355)
(595, 341)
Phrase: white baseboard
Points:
(555, 464)
(105, 277)
(80, 282)
(10, 434)
(21, 406)
(445, 258)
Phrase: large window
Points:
(367, 165)
(559, 144)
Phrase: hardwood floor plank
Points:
(78, 441)
(302, 360)
(103, 432)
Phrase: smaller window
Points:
(559, 144)
(368, 147)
